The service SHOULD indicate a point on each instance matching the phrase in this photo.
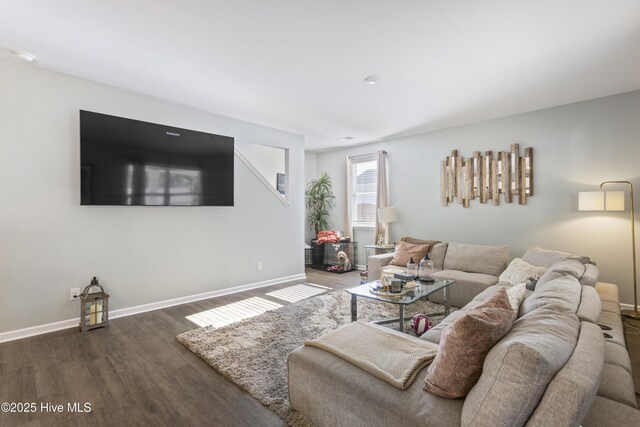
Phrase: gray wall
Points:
(49, 243)
(575, 148)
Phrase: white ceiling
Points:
(299, 65)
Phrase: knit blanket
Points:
(388, 355)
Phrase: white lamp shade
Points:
(614, 200)
(591, 201)
(387, 215)
(601, 201)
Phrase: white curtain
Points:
(348, 227)
(382, 189)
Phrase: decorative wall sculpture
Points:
(485, 178)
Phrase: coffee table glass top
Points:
(420, 291)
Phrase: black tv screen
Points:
(133, 163)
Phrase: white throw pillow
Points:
(519, 271)
(516, 295)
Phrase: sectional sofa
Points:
(473, 267)
(563, 363)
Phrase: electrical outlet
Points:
(259, 266)
(74, 294)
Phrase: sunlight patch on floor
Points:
(298, 292)
(221, 316)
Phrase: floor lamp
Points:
(614, 201)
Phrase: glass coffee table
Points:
(422, 290)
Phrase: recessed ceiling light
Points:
(372, 79)
(345, 138)
(24, 56)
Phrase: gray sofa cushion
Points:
(376, 263)
(616, 332)
(610, 307)
(590, 305)
(330, 391)
(518, 369)
(564, 291)
(569, 395)
(491, 260)
(617, 355)
(608, 292)
(537, 256)
(437, 254)
(568, 267)
(606, 412)
(467, 286)
(609, 297)
(590, 276)
(617, 384)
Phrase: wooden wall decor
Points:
(485, 177)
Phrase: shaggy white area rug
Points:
(252, 353)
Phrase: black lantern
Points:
(94, 307)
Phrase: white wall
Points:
(49, 243)
(268, 161)
(575, 148)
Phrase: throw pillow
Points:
(415, 241)
(516, 295)
(520, 271)
(405, 251)
(465, 344)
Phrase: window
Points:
(163, 186)
(364, 177)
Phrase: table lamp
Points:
(386, 216)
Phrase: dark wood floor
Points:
(136, 373)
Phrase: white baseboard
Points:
(626, 306)
(129, 311)
(38, 330)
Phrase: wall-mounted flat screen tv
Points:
(133, 163)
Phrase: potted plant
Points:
(319, 200)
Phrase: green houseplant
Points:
(319, 201)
